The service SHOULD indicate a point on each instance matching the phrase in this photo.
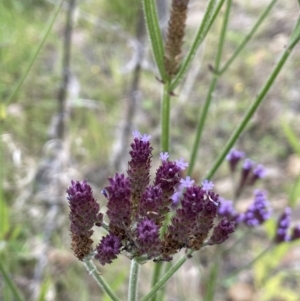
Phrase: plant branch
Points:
(155, 35)
(247, 38)
(261, 95)
(133, 279)
(212, 86)
(100, 281)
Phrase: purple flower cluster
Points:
(283, 225)
(283, 228)
(250, 172)
(258, 212)
(136, 210)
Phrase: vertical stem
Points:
(165, 119)
(212, 87)
(161, 282)
(100, 281)
(165, 140)
(133, 279)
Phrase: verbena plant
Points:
(152, 221)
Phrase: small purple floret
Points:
(187, 182)
(164, 156)
(181, 164)
(136, 135)
(234, 157)
(226, 208)
(207, 185)
(145, 138)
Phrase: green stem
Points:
(264, 90)
(161, 293)
(105, 226)
(35, 55)
(160, 283)
(247, 38)
(165, 138)
(165, 119)
(100, 281)
(10, 283)
(155, 35)
(249, 264)
(212, 87)
(133, 279)
(212, 280)
(208, 20)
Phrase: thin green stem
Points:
(100, 281)
(105, 226)
(13, 288)
(165, 119)
(208, 20)
(247, 38)
(161, 293)
(249, 264)
(133, 279)
(212, 280)
(212, 87)
(160, 283)
(35, 55)
(165, 141)
(155, 35)
(261, 95)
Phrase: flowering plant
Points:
(138, 210)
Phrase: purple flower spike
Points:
(145, 138)
(258, 212)
(221, 232)
(168, 176)
(84, 214)
(108, 249)
(151, 204)
(233, 158)
(207, 185)
(182, 164)
(295, 233)
(164, 156)
(119, 205)
(139, 168)
(148, 237)
(187, 182)
(283, 226)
